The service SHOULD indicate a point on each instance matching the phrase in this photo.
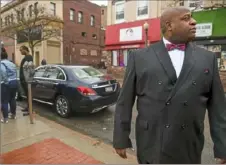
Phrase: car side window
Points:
(52, 73)
(39, 72)
(61, 75)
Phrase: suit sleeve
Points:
(124, 106)
(217, 114)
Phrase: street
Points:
(100, 126)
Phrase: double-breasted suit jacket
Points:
(171, 110)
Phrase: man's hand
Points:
(220, 161)
(121, 153)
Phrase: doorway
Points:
(37, 58)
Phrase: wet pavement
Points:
(100, 126)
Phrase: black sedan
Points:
(74, 88)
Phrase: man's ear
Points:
(168, 26)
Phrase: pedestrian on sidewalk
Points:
(4, 92)
(175, 83)
(43, 62)
(25, 73)
(11, 72)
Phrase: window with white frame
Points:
(142, 9)
(92, 20)
(53, 8)
(119, 11)
(80, 17)
(72, 14)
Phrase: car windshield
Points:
(87, 72)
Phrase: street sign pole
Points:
(29, 67)
(30, 106)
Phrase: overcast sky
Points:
(98, 2)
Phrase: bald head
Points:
(177, 24)
(169, 14)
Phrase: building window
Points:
(94, 36)
(93, 53)
(80, 17)
(119, 57)
(84, 34)
(30, 10)
(193, 4)
(92, 20)
(119, 11)
(18, 16)
(181, 3)
(6, 21)
(53, 8)
(142, 9)
(12, 18)
(83, 52)
(72, 14)
(102, 12)
(22, 13)
(36, 8)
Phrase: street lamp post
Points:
(146, 26)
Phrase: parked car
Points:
(73, 88)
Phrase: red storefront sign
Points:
(132, 34)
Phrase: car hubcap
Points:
(61, 106)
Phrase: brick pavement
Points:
(48, 151)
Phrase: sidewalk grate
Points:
(48, 151)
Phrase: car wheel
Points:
(62, 106)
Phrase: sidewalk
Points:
(46, 142)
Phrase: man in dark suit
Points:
(175, 82)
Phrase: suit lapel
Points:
(188, 64)
(164, 58)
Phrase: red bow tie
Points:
(175, 46)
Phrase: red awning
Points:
(131, 34)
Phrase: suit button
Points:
(183, 126)
(160, 82)
(185, 103)
(168, 103)
(167, 126)
(194, 82)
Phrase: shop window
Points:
(119, 58)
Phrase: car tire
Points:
(62, 106)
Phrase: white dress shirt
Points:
(177, 58)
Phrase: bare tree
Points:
(32, 25)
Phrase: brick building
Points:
(83, 37)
